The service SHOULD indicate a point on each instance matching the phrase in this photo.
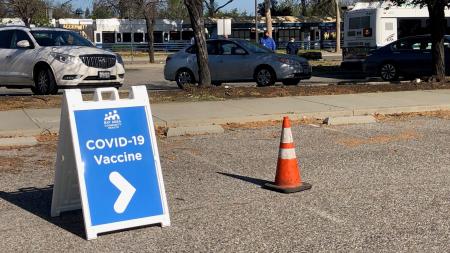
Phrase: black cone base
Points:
(303, 187)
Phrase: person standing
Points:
(268, 42)
(291, 47)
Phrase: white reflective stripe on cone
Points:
(287, 136)
(287, 153)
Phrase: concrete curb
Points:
(333, 121)
(194, 130)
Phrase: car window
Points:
(54, 38)
(211, 46)
(229, 48)
(255, 48)
(5, 38)
(18, 36)
(419, 44)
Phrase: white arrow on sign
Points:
(126, 191)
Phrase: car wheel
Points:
(388, 72)
(265, 77)
(216, 83)
(185, 78)
(44, 82)
(293, 81)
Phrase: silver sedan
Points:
(237, 61)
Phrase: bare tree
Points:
(26, 10)
(147, 9)
(195, 9)
(213, 7)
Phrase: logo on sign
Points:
(112, 120)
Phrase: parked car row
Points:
(46, 59)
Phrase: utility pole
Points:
(256, 21)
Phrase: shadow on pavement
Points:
(252, 180)
(38, 202)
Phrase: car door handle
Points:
(8, 56)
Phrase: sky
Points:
(241, 5)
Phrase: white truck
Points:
(370, 25)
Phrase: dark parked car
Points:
(408, 57)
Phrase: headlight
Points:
(119, 59)
(64, 58)
(286, 61)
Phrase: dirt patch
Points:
(269, 123)
(222, 93)
(443, 114)
(21, 102)
(378, 139)
(47, 137)
(11, 164)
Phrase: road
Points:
(152, 76)
(379, 187)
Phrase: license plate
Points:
(104, 74)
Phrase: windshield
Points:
(51, 38)
(255, 48)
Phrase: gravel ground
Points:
(379, 187)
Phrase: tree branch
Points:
(207, 4)
(223, 5)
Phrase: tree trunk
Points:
(26, 21)
(150, 23)
(195, 9)
(268, 16)
(303, 8)
(338, 27)
(437, 24)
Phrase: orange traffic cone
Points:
(287, 179)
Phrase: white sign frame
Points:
(224, 26)
(69, 174)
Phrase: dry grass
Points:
(443, 114)
(270, 123)
(378, 139)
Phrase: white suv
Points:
(46, 59)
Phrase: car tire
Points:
(216, 83)
(388, 71)
(185, 78)
(292, 81)
(265, 76)
(44, 82)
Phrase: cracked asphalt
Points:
(382, 187)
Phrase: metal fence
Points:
(143, 47)
(176, 46)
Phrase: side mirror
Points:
(23, 44)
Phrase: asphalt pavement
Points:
(378, 187)
(152, 76)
